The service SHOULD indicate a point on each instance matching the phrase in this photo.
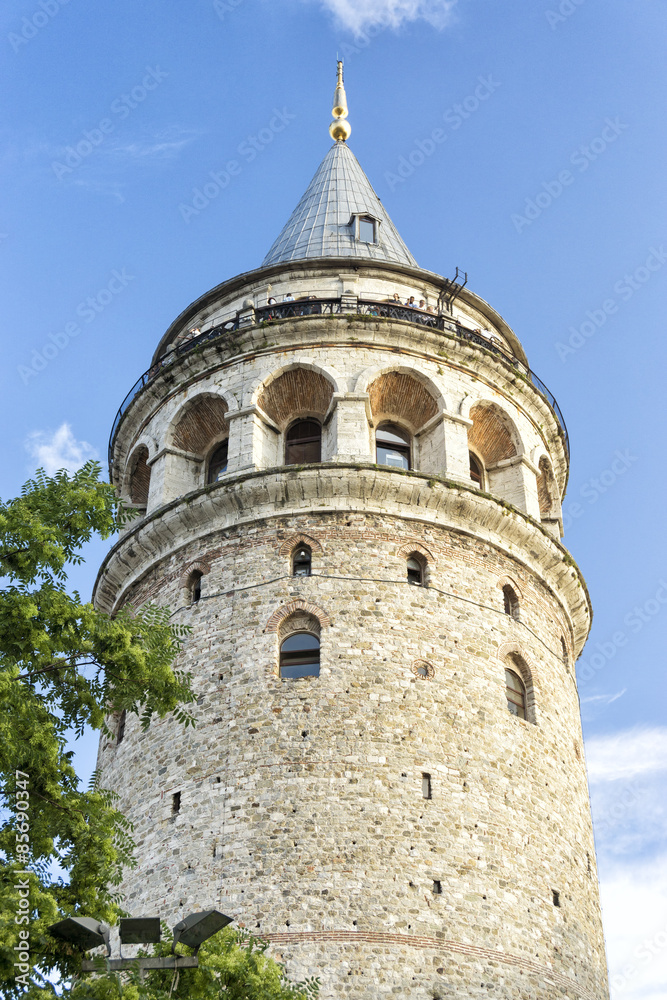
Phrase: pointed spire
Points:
(325, 222)
(340, 130)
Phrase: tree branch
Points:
(58, 666)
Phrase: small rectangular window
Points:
(556, 897)
(367, 230)
(176, 803)
(426, 785)
(437, 887)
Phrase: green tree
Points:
(233, 965)
(63, 666)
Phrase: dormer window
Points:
(365, 228)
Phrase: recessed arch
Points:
(512, 656)
(370, 376)
(138, 477)
(295, 391)
(276, 620)
(198, 566)
(547, 489)
(291, 543)
(199, 424)
(403, 395)
(493, 435)
(504, 581)
(515, 664)
(414, 546)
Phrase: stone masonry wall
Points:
(302, 812)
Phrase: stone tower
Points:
(355, 505)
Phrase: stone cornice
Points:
(360, 488)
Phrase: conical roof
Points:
(323, 223)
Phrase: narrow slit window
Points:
(475, 470)
(217, 463)
(175, 803)
(563, 649)
(511, 602)
(555, 895)
(516, 694)
(300, 656)
(120, 732)
(426, 785)
(302, 561)
(437, 887)
(415, 572)
(195, 587)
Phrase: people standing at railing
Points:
(271, 301)
(411, 302)
(288, 297)
(422, 305)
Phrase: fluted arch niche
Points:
(139, 478)
(548, 497)
(197, 433)
(493, 439)
(296, 395)
(199, 425)
(299, 392)
(402, 401)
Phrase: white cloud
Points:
(603, 699)
(634, 910)
(359, 15)
(58, 450)
(627, 754)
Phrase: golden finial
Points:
(340, 129)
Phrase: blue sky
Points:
(547, 186)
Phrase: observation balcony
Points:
(269, 314)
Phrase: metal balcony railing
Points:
(328, 307)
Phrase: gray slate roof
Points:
(319, 226)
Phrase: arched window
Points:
(563, 650)
(516, 694)
(301, 561)
(415, 572)
(476, 473)
(511, 602)
(303, 443)
(195, 586)
(120, 732)
(392, 446)
(217, 463)
(300, 655)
